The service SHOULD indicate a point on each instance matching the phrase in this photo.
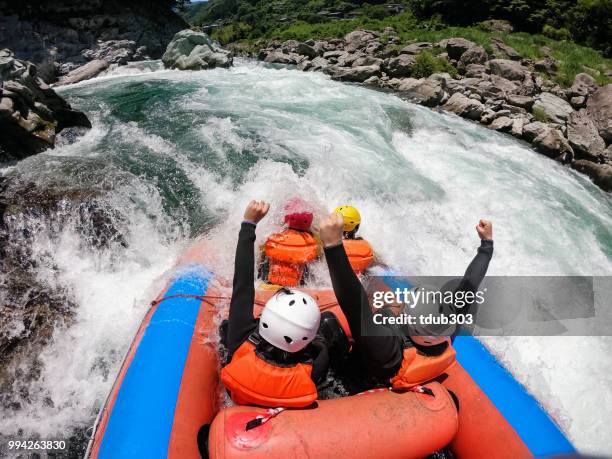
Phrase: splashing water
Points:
(183, 152)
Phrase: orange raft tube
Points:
(377, 424)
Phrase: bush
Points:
(556, 34)
(426, 64)
(539, 115)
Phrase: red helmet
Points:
(298, 214)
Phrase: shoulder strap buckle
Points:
(255, 339)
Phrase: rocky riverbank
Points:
(63, 35)
(500, 90)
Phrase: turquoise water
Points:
(177, 154)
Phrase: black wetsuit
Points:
(382, 350)
(242, 323)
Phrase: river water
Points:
(177, 154)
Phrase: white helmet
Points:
(289, 320)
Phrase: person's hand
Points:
(330, 230)
(256, 210)
(485, 230)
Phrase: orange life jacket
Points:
(252, 380)
(360, 254)
(288, 253)
(418, 368)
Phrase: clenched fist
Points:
(331, 229)
(485, 230)
(256, 210)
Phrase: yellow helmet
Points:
(351, 217)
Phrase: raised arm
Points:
(241, 318)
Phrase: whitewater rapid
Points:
(181, 153)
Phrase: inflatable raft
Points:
(167, 391)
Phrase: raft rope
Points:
(261, 419)
(418, 389)
(190, 295)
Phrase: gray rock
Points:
(306, 50)
(290, 46)
(475, 71)
(547, 65)
(355, 74)
(400, 66)
(416, 48)
(366, 60)
(425, 91)
(116, 52)
(279, 57)
(552, 143)
(599, 107)
(502, 124)
(533, 130)
(600, 174)
(333, 54)
(359, 38)
(583, 135)
(510, 70)
(464, 106)
(517, 100)
(372, 81)
(455, 47)
(346, 59)
(318, 64)
(190, 50)
(474, 55)
(583, 85)
(556, 109)
(373, 47)
(518, 125)
(578, 102)
(85, 72)
(503, 51)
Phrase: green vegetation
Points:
(539, 115)
(426, 64)
(547, 25)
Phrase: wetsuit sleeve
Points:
(241, 320)
(475, 272)
(320, 363)
(381, 348)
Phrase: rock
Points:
(372, 81)
(517, 100)
(583, 136)
(502, 124)
(464, 106)
(599, 108)
(518, 125)
(475, 71)
(289, 46)
(31, 113)
(190, 50)
(355, 74)
(533, 130)
(329, 55)
(118, 52)
(556, 109)
(600, 174)
(279, 57)
(503, 51)
(400, 66)
(346, 59)
(552, 143)
(425, 91)
(306, 50)
(578, 102)
(366, 60)
(416, 48)
(547, 65)
(510, 70)
(474, 55)
(318, 64)
(373, 47)
(496, 25)
(455, 47)
(358, 39)
(304, 65)
(85, 72)
(583, 85)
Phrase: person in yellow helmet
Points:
(358, 250)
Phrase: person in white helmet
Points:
(406, 355)
(278, 359)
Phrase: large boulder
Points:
(190, 50)
(425, 91)
(534, 129)
(601, 174)
(503, 51)
(508, 69)
(599, 107)
(552, 143)
(84, 72)
(556, 109)
(455, 47)
(583, 85)
(118, 52)
(306, 50)
(355, 74)
(400, 66)
(31, 113)
(583, 135)
(280, 57)
(416, 48)
(359, 38)
(464, 106)
(474, 55)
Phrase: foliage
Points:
(539, 115)
(426, 64)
